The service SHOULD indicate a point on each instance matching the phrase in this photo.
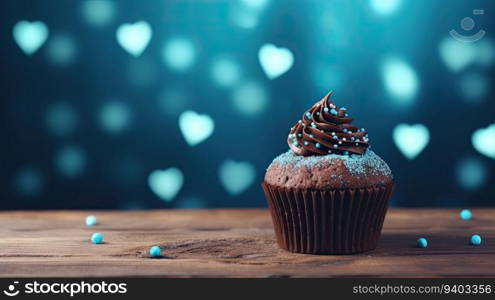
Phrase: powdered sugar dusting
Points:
(355, 163)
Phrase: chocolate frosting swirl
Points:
(326, 129)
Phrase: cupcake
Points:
(328, 194)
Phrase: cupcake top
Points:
(328, 152)
(328, 171)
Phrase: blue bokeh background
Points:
(86, 123)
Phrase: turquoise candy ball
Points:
(465, 214)
(90, 221)
(475, 240)
(422, 243)
(97, 238)
(155, 252)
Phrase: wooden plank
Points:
(233, 243)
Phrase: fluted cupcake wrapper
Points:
(338, 221)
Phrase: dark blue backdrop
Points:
(93, 92)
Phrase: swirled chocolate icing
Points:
(327, 129)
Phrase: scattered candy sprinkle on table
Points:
(476, 240)
(155, 252)
(465, 214)
(422, 243)
(90, 221)
(97, 238)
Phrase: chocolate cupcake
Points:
(329, 193)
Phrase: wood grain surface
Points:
(233, 243)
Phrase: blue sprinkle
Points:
(476, 240)
(329, 151)
(155, 252)
(313, 124)
(422, 243)
(345, 130)
(317, 145)
(352, 138)
(299, 135)
(343, 108)
(306, 143)
(333, 111)
(335, 137)
(295, 142)
(308, 115)
(325, 109)
(335, 146)
(346, 152)
(317, 113)
(465, 214)
(90, 221)
(97, 238)
(362, 129)
(346, 114)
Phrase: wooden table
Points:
(233, 243)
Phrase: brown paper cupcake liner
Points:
(339, 221)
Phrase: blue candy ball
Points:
(475, 240)
(155, 251)
(90, 221)
(465, 214)
(97, 238)
(422, 243)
